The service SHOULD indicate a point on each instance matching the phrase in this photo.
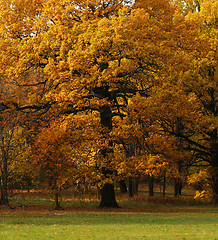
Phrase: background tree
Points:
(203, 82)
(52, 159)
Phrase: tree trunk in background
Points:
(151, 186)
(178, 183)
(57, 203)
(176, 187)
(130, 187)
(215, 184)
(123, 187)
(214, 165)
(133, 186)
(4, 180)
(164, 184)
(136, 186)
(4, 195)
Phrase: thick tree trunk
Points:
(108, 199)
(107, 192)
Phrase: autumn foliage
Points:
(112, 90)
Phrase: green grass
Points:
(110, 226)
(169, 218)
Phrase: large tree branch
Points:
(73, 110)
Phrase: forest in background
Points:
(98, 92)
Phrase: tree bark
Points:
(57, 203)
(130, 187)
(151, 186)
(4, 195)
(177, 188)
(133, 186)
(164, 184)
(108, 199)
(4, 180)
(123, 188)
(215, 184)
(107, 192)
(214, 165)
(178, 182)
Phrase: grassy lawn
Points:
(33, 218)
(54, 225)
